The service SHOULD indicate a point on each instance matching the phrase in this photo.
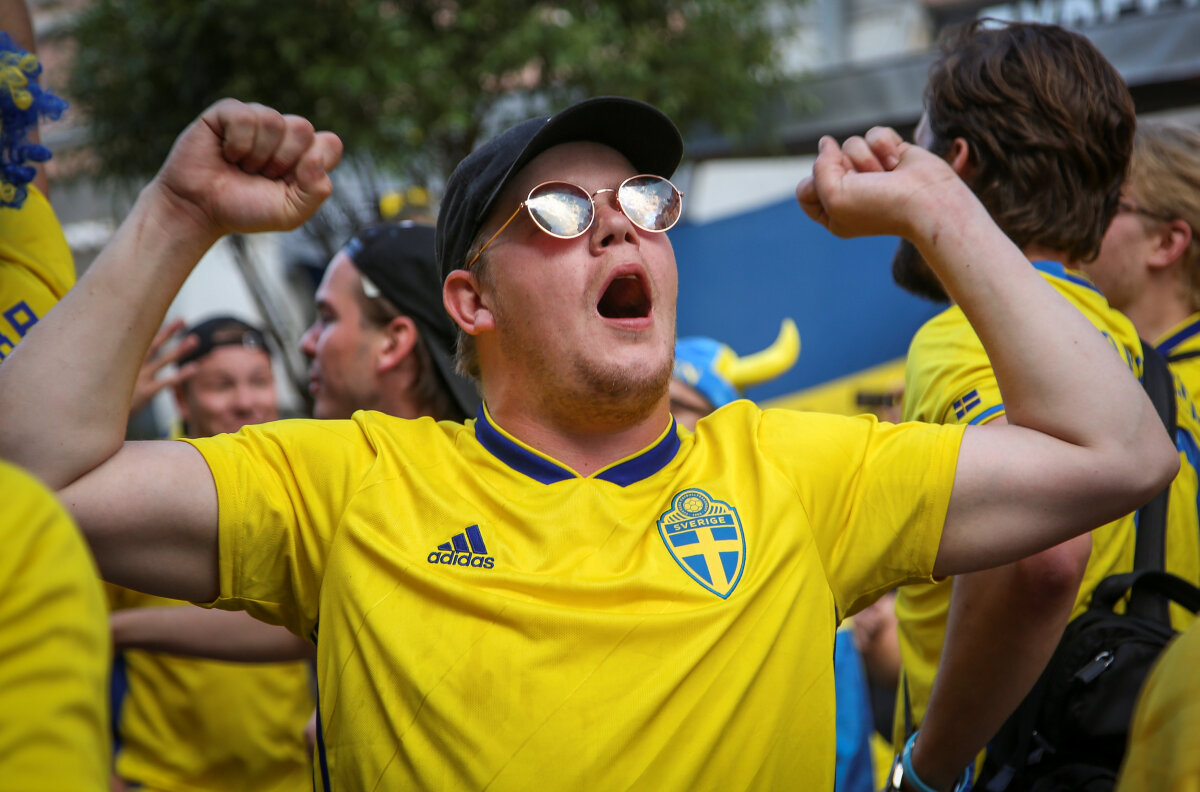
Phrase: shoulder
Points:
(32, 240)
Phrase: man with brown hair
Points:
(1040, 126)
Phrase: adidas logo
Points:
(465, 549)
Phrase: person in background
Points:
(184, 724)
(708, 374)
(382, 340)
(1040, 127)
(54, 648)
(1149, 262)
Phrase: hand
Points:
(148, 382)
(876, 185)
(243, 168)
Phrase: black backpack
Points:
(1070, 732)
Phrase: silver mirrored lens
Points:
(651, 202)
(561, 209)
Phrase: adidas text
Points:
(461, 559)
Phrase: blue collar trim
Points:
(541, 468)
(1057, 270)
(1170, 342)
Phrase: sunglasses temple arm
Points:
(499, 231)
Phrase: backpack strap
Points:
(1150, 550)
(1175, 357)
(1166, 587)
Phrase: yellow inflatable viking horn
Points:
(781, 355)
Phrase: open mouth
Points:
(625, 298)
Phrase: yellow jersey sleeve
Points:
(874, 493)
(54, 646)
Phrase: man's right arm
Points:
(65, 391)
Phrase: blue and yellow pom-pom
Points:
(22, 103)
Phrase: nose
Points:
(611, 226)
(244, 398)
(308, 342)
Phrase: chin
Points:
(625, 392)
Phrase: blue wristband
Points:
(914, 781)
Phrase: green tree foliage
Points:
(411, 84)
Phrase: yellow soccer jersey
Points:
(54, 647)
(950, 380)
(189, 725)
(36, 268)
(486, 618)
(1165, 730)
(1181, 347)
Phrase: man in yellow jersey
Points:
(1149, 264)
(1040, 126)
(184, 724)
(566, 589)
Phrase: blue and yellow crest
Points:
(705, 537)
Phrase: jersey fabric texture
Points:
(1184, 339)
(1165, 730)
(949, 379)
(189, 725)
(486, 618)
(36, 267)
(54, 646)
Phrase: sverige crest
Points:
(705, 537)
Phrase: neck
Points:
(1162, 304)
(1039, 253)
(584, 446)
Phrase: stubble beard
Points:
(600, 395)
(912, 273)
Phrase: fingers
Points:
(861, 156)
(259, 139)
(169, 329)
(297, 135)
(312, 182)
(886, 145)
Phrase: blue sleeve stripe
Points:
(986, 414)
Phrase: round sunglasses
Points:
(565, 210)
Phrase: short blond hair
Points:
(1164, 177)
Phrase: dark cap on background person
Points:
(223, 330)
(641, 132)
(397, 263)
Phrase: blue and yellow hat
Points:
(720, 376)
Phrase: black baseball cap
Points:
(223, 330)
(398, 259)
(641, 132)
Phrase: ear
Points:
(398, 339)
(959, 158)
(466, 303)
(1171, 242)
